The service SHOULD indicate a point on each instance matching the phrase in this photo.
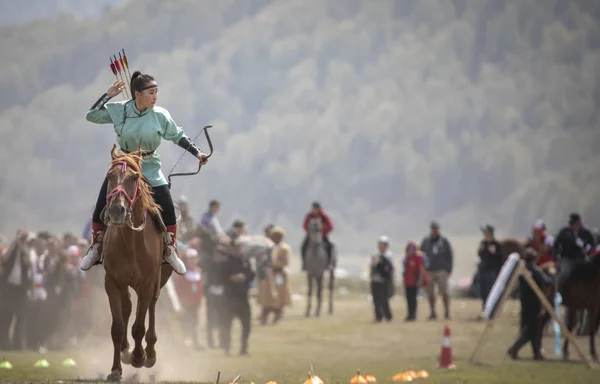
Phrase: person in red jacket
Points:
(190, 291)
(541, 242)
(327, 225)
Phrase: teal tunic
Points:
(145, 129)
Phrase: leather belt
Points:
(145, 155)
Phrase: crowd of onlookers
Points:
(46, 297)
(43, 293)
(427, 265)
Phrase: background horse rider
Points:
(541, 242)
(572, 243)
(327, 226)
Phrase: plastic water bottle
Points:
(557, 302)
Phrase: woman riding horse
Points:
(139, 123)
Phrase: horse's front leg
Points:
(319, 295)
(592, 316)
(309, 294)
(117, 330)
(126, 308)
(138, 330)
(151, 334)
(570, 320)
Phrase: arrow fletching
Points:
(117, 65)
(122, 60)
(125, 59)
(112, 68)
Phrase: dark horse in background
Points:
(581, 291)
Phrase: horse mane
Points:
(134, 162)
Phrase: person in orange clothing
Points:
(189, 289)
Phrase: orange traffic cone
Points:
(446, 354)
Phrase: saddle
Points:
(158, 221)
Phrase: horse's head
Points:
(124, 186)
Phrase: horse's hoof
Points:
(149, 363)
(113, 378)
(126, 356)
(138, 362)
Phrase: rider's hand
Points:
(203, 157)
(116, 88)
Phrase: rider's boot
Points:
(170, 254)
(92, 257)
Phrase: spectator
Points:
(490, 253)
(382, 271)
(414, 276)
(531, 308)
(209, 219)
(189, 288)
(14, 284)
(187, 225)
(438, 252)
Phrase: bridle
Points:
(118, 191)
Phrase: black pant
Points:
(531, 331)
(240, 308)
(162, 197)
(328, 247)
(381, 301)
(214, 309)
(411, 301)
(487, 278)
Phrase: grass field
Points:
(335, 345)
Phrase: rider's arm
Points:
(173, 132)
(327, 224)
(540, 277)
(98, 113)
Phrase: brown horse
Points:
(580, 291)
(133, 257)
(511, 245)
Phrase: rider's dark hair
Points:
(316, 205)
(214, 203)
(139, 82)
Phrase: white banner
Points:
(500, 284)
